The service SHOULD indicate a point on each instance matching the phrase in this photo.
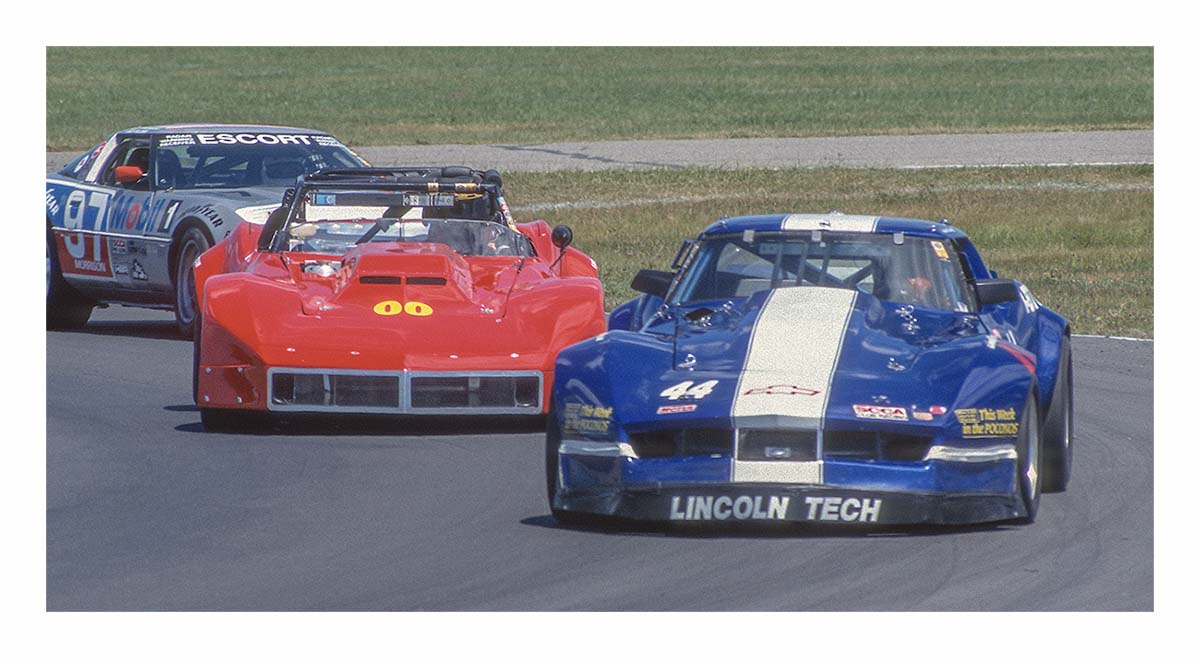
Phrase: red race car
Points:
(388, 291)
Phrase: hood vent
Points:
(386, 280)
(395, 280)
(426, 281)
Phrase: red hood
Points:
(416, 306)
(413, 279)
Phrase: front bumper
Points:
(775, 503)
(374, 392)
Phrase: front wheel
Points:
(1060, 425)
(1029, 457)
(193, 243)
(65, 308)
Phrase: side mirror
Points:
(996, 291)
(126, 174)
(652, 282)
(561, 236)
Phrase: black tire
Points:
(65, 308)
(553, 441)
(192, 243)
(232, 421)
(1029, 453)
(1058, 439)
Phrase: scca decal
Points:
(393, 307)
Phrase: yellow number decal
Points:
(393, 307)
(419, 309)
(389, 307)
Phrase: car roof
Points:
(220, 127)
(835, 222)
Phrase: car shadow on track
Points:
(162, 330)
(758, 530)
(400, 426)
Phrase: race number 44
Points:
(686, 391)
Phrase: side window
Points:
(132, 152)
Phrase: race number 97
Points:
(393, 307)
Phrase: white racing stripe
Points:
(795, 344)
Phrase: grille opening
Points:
(426, 281)
(777, 445)
(687, 442)
(473, 392)
(378, 279)
(875, 446)
(335, 390)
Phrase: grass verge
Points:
(384, 96)
(1081, 238)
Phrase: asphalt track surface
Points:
(147, 512)
(885, 151)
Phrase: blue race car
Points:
(816, 368)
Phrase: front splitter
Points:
(750, 503)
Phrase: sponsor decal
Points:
(837, 508)
(935, 410)
(393, 307)
(685, 391)
(987, 423)
(780, 389)
(676, 409)
(137, 272)
(118, 246)
(940, 250)
(121, 269)
(268, 139)
(880, 413)
(51, 203)
(725, 508)
(508, 217)
(1027, 299)
(586, 418)
(206, 211)
(176, 140)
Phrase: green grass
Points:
(1080, 238)
(383, 96)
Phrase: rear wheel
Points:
(1029, 456)
(65, 308)
(1058, 440)
(195, 241)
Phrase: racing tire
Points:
(1057, 432)
(194, 242)
(1029, 458)
(65, 308)
(553, 440)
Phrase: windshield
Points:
(919, 271)
(333, 221)
(228, 160)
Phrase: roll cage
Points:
(482, 189)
